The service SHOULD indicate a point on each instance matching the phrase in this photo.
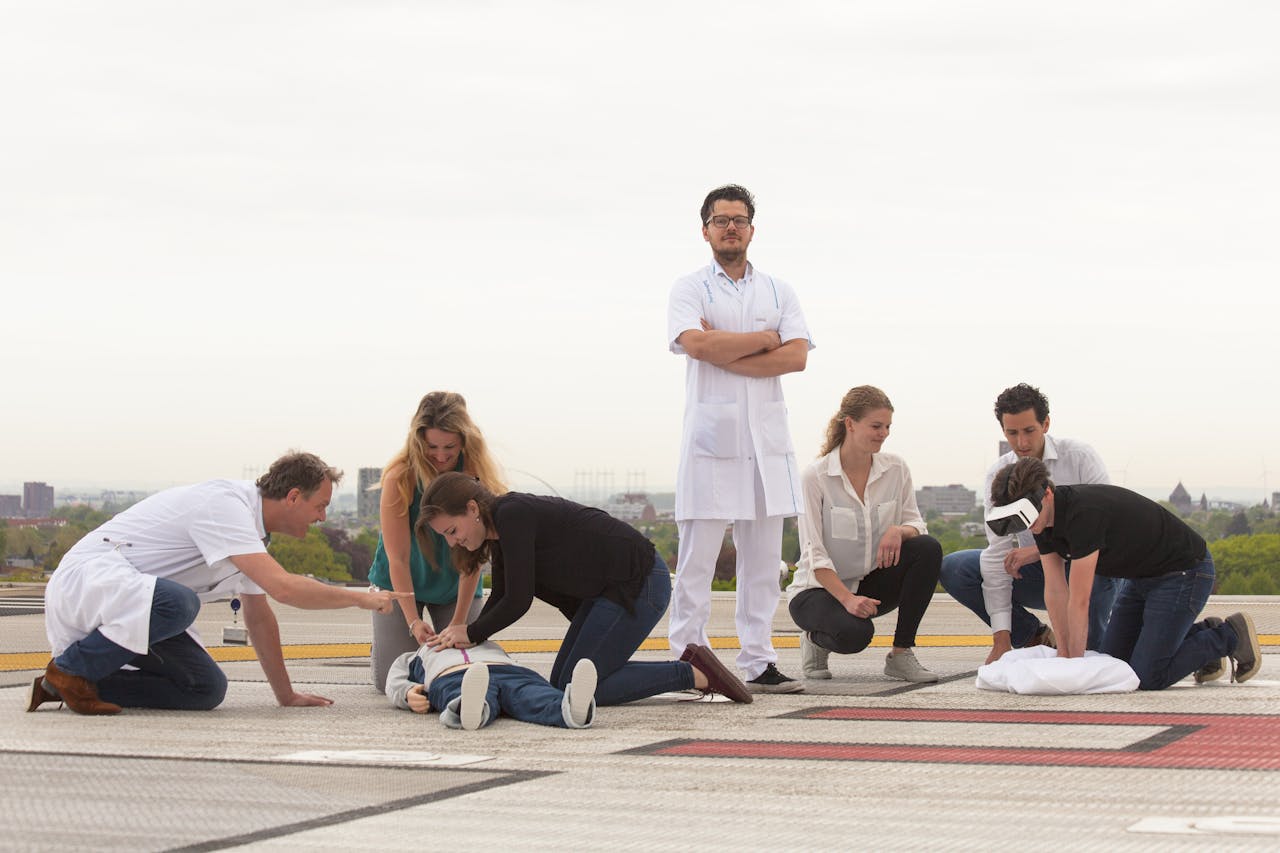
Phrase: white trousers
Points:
(759, 547)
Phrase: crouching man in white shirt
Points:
(127, 593)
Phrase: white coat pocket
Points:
(844, 523)
(715, 430)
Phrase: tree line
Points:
(1245, 546)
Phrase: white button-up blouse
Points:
(838, 531)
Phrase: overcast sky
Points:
(228, 229)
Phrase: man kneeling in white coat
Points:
(119, 606)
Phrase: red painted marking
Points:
(1217, 742)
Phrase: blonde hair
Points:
(857, 402)
(412, 467)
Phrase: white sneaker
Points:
(472, 707)
(580, 695)
(813, 658)
(905, 667)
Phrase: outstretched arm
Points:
(264, 630)
(308, 594)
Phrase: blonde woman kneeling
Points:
(864, 548)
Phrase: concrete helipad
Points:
(858, 762)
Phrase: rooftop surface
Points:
(858, 762)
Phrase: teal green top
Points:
(429, 585)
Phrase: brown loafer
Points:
(39, 695)
(719, 678)
(79, 694)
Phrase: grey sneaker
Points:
(1248, 655)
(813, 658)
(772, 681)
(905, 667)
(1213, 670)
(473, 710)
(579, 705)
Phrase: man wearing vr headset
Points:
(1165, 569)
(1001, 581)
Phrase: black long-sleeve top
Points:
(561, 552)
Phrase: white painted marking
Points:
(381, 756)
(692, 696)
(1208, 825)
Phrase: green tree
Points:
(1238, 526)
(25, 540)
(1239, 560)
(311, 556)
(4, 542)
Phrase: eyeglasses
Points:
(739, 222)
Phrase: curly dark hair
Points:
(728, 192)
(1019, 398)
(296, 470)
(1027, 476)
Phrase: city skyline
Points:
(209, 263)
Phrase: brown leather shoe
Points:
(39, 695)
(79, 694)
(719, 678)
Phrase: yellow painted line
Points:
(23, 661)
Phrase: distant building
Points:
(368, 495)
(10, 506)
(1180, 498)
(1204, 503)
(946, 500)
(631, 506)
(37, 500)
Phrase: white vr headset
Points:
(1013, 518)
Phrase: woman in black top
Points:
(601, 573)
(1166, 571)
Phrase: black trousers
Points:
(907, 587)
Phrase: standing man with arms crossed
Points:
(741, 330)
(127, 593)
(1001, 581)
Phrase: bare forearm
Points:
(466, 594)
(722, 348)
(831, 583)
(308, 594)
(1078, 620)
(265, 634)
(788, 358)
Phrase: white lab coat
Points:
(735, 427)
(106, 581)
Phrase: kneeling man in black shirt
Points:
(1165, 569)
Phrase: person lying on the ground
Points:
(471, 687)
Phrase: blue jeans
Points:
(1153, 626)
(605, 632)
(516, 691)
(962, 579)
(176, 673)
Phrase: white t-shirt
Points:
(186, 535)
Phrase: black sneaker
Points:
(1248, 655)
(1214, 669)
(772, 681)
